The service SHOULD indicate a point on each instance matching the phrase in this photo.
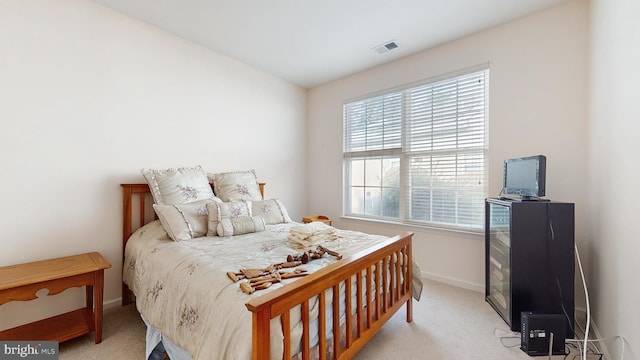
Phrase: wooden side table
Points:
(320, 218)
(21, 282)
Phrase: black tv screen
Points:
(525, 176)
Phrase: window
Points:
(417, 155)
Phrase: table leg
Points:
(89, 296)
(98, 294)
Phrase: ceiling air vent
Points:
(381, 49)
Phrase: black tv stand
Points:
(529, 259)
(532, 198)
(524, 198)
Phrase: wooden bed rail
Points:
(386, 268)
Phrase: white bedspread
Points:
(182, 288)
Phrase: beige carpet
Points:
(449, 323)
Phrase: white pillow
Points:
(238, 185)
(225, 210)
(178, 186)
(273, 211)
(184, 221)
(240, 225)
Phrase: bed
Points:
(291, 319)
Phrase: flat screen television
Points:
(525, 177)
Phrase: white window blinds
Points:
(374, 124)
(418, 154)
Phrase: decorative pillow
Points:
(184, 221)
(273, 211)
(240, 225)
(225, 210)
(239, 185)
(178, 186)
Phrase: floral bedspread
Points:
(182, 288)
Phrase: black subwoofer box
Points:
(537, 330)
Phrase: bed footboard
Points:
(385, 268)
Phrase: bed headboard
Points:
(137, 210)
(141, 193)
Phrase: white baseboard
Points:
(453, 282)
(111, 304)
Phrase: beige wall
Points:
(614, 173)
(89, 97)
(538, 105)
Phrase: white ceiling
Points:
(310, 42)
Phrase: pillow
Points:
(273, 211)
(178, 186)
(184, 221)
(239, 185)
(225, 210)
(240, 225)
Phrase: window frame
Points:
(404, 157)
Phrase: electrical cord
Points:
(502, 338)
(551, 255)
(586, 339)
(594, 349)
(622, 341)
(586, 295)
(583, 344)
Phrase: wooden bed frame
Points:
(387, 265)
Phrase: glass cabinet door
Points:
(499, 259)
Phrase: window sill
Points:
(479, 233)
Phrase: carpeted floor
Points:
(449, 323)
